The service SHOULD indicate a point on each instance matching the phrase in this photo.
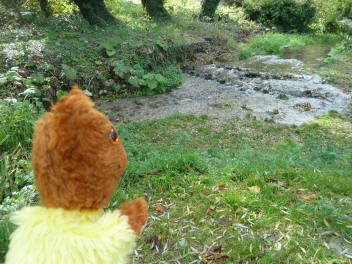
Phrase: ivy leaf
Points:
(160, 78)
(13, 76)
(110, 52)
(134, 81)
(37, 77)
(152, 84)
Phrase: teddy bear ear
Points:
(68, 115)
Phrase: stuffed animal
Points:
(77, 159)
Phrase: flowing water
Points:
(279, 88)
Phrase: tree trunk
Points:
(44, 7)
(208, 8)
(95, 12)
(156, 9)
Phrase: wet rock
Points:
(273, 112)
(103, 92)
(266, 89)
(303, 106)
(11, 100)
(109, 83)
(88, 93)
(208, 76)
(257, 88)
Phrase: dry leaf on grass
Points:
(285, 184)
(210, 212)
(159, 208)
(307, 197)
(154, 172)
(270, 180)
(222, 187)
(222, 222)
(226, 223)
(254, 189)
(141, 176)
(156, 244)
(212, 254)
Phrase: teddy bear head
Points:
(77, 157)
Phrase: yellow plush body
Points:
(58, 236)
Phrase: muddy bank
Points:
(227, 92)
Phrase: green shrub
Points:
(286, 15)
(329, 13)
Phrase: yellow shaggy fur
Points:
(58, 236)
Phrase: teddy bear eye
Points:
(113, 136)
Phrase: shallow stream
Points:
(278, 88)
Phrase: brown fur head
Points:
(76, 163)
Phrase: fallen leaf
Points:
(254, 189)
(222, 256)
(141, 176)
(293, 201)
(212, 254)
(206, 192)
(270, 180)
(210, 212)
(222, 187)
(159, 208)
(154, 172)
(285, 184)
(222, 222)
(156, 244)
(307, 197)
(215, 249)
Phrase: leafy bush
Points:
(286, 15)
(148, 83)
(329, 13)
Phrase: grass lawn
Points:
(234, 191)
(263, 192)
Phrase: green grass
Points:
(336, 68)
(201, 171)
(274, 43)
(210, 167)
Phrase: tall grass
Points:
(16, 124)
